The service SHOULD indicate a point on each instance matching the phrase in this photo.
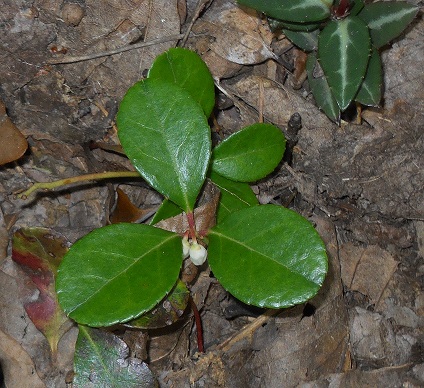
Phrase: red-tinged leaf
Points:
(38, 251)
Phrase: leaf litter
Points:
(362, 186)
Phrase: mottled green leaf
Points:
(387, 19)
(370, 90)
(300, 11)
(268, 256)
(118, 272)
(343, 52)
(186, 69)
(165, 134)
(320, 89)
(102, 360)
(234, 196)
(249, 154)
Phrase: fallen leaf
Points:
(38, 251)
(13, 143)
(241, 38)
(17, 366)
(126, 211)
(367, 270)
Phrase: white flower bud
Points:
(198, 254)
(186, 248)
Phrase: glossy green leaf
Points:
(321, 90)
(357, 6)
(167, 209)
(249, 154)
(234, 196)
(103, 360)
(168, 311)
(343, 51)
(387, 19)
(268, 256)
(186, 69)
(39, 251)
(370, 90)
(276, 24)
(300, 11)
(118, 272)
(165, 134)
(306, 41)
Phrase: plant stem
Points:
(198, 323)
(81, 178)
(191, 227)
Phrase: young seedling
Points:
(265, 255)
(343, 39)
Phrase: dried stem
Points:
(77, 179)
(116, 51)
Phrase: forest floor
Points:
(360, 184)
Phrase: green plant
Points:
(343, 38)
(265, 255)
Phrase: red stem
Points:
(191, 227)
(198, 323)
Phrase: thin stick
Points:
(248, 330)
(81, 178)
(136, 46)
(199, 8)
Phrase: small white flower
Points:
(198, 254)
(186, 248)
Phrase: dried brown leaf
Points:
(204, 214)
(240, 37)
(125, 210)
(13, 143)
(367, 270)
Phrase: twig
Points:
(248, 330)
(199, 8)
(135, 46)
(82, 178)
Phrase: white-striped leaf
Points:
(370, 90)
(387, 19)
(300, 11)
(343, 51)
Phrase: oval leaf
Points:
(343, 51)
(118, 272)
(102, 360)
(268, 256)
(320, 89)
(165, 134)
(300, 11)
(370, 90)
(234, 196)
(249, 154)
(186, 69)
(387, 19)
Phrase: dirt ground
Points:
(361, 186)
